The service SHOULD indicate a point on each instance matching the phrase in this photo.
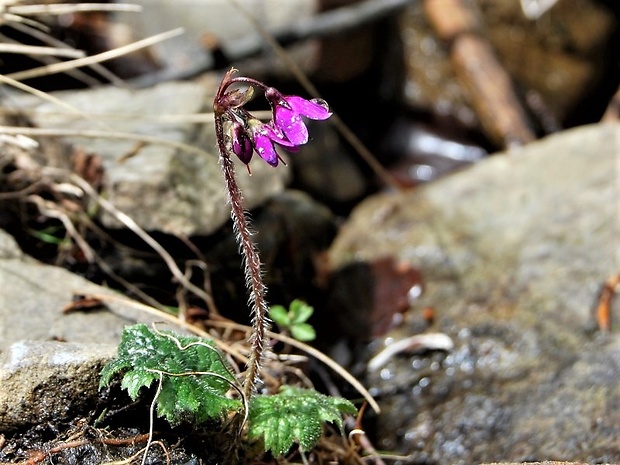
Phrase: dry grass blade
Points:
(61, 9)
(22, 131)
(152, 418)
(92, 134)
(36, 50)
(124, 219)
(317, 354)
(168, 118)
(77, 74)
(16, 19)
(87, 61)
(171, 319)
(146, 237)
(51, 210)
(46, 97)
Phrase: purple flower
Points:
(248, 135)
(288, 110)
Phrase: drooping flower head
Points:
(248, 135)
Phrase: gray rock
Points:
(513, 252)
(34, 295)
(45, 381)
(161, 187)
(9, 247)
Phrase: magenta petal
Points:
(264, 147)
(277, 136)
(313, 109)
(291, 124)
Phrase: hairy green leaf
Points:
(195, 377)
(294, 415)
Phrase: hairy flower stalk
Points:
(239, 133)
(253, 275)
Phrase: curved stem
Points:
(247, 80)
(228, 81)
(251, 262)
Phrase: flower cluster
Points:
(247, 134)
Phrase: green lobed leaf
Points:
(294, 415)
(143, 354)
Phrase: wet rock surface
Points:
(513, 252)
(49, 381)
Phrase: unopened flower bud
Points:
(241, 143)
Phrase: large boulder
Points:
(513, 252)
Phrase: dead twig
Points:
(317, 354)
(489, 85)
(603, 305)
(41, 456)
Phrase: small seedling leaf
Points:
(280, 316)
(300, 311)
(303, 332)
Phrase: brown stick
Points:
(489, 86)
(603, 307)
(41, 455)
